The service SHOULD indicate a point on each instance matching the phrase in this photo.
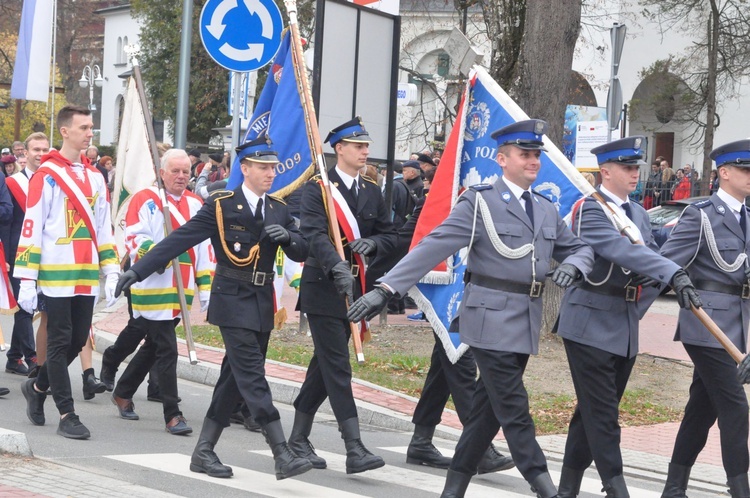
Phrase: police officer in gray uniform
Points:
(599, 318)
(710, 240)
(517, 234)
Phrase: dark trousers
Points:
(715, 393)
(22, 344)
(443, 380)
(243, 376)
(500, 398)
(600, 379)
(127, 342)
(67, 333)
(160, 351)
(329, 373)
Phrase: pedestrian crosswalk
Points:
(414, 480)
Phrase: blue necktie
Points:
(259, 211)
(626, 207)
(526, 196)
(743, 221)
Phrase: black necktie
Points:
(626, 207)
(526, 196)
(353, 191)
(259, 211)
(743, 221)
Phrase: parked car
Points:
(663, 218)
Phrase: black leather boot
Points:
(570, 483)
(421, 451)
(543, 487)
(358, 458)
(455, 484)
(615, 487)
(677, 481)
(299, 442)
(738, 486)
(287, 463)
(204, 460)
(91, 385)
(108, 371)
(494, 461)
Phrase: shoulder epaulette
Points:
(539, 194)
(315, 178)
(218, 195)
(481, 186)
(368, 179)
(277, 199)
(702, 204)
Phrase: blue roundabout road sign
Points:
(241, 35)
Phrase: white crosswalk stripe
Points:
(414, 479)
(588, 485)
(263, 483)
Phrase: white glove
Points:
(109, 288)
(27, 295)
(205, 296)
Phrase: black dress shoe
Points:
(16, 367)
(4, 391)
(125, 407)
(91, 385)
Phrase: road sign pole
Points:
(236, 112)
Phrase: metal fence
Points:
(652, 192)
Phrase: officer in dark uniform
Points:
(599, 318)
(518, 232)
(326, 282)
(711, 241)
(246, 227)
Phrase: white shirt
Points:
(252, 200)
(347, 179)
(516, 190)
(730, 201)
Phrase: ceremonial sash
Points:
(17, 190)
(74, 193)
(348, 224)
(177, 219)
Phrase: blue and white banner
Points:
(469, 159)
(279, 112)
(31, 72)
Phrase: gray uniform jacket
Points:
(603, 321)
(730, 312)
(493, 319)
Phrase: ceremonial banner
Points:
(279, 113)
(469, 159)
(31, 71)
(135, 166)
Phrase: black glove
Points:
(365, 247)
(278, 234)
(743, 369)
(343, 279)
(125, 281)
(369, 305)
(685, 290)
(642, 280)
(565, 274)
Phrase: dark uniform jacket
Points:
(609, 322)
(317, 293)
(235, 302)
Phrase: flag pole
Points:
(165, 208)
(311, 122)
(52, 78)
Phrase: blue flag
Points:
(279, 113)
(469, 159)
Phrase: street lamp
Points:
(91, 76)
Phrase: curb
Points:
(14, 443)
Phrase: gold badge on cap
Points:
(237, 247)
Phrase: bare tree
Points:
(710, 70)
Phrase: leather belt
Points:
(630, 293)
(743, 291)
(533, 289)
(313, 263)
(258, 278)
